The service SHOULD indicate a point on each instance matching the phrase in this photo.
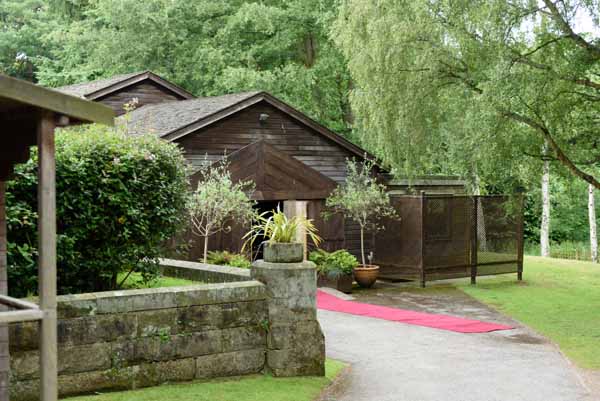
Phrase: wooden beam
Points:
(20, 91)
(17, 303)
(47, 256)
(22, 316)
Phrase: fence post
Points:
(422, 259)
(474, 245)
(520, 239)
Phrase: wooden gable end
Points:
(146, 92)
(277, 176)
(279, 130)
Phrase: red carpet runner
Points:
(443, 322)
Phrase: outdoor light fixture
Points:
(263, 118)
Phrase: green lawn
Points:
(251, 388)
(558, 298)
(135, 281)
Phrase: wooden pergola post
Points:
(4, 355)
(47, 257)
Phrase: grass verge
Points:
(135, 281)
(249, 388)
(558, 298)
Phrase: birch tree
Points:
(545, 221)
(592, 218)
(487, 81)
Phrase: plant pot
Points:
(279, 252)
(341, 283)
(366, 275)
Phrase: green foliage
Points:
(205, 46)
(474, 87)
(277, 227)
(333, 264)
(118, 200)
(226, 258)
(362, 199)
(217, 201)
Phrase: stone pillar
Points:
(295, 341)
(4, 356)
(293, 208)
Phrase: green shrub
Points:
(118, 200)
(226, 258)
(333, 264)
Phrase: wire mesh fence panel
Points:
(447, 223)
(398, 245)
(445, 236)
(497, 234)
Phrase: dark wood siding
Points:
(146, 92)
(283, 133)
(280, 131)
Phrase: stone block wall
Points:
(137, 338)
(203, 272)
(295, 342)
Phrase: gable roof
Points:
(96, 89)
(174, 120)
(276, 174)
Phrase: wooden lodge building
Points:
(288, 155)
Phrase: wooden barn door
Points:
(331, 230)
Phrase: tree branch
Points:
(560, 155)
(592, 50)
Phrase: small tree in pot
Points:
(362, 199)
(217, 201)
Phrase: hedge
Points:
(119, 199)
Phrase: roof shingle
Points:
(86, 88)
(161, 119)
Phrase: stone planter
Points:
(366, 275)
(341, 283)
(279, 252)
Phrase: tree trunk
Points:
(205, 248)
(592, 217)
(362, 245)
(481, 232)
(545, 226)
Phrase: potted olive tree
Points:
(217, 202)
(362, 199)
(280, 232)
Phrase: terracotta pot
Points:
(366, 275)
(279, 252)
(341, 283)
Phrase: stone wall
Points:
(136, 338)
(203, 272)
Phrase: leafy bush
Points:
(118, 200)
(333, 264)
(226, 258)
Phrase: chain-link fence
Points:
(439, 237)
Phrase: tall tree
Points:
(205, 46)
(475, 83)
(545, 223)
(592, 220)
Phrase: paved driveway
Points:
(398, 362)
